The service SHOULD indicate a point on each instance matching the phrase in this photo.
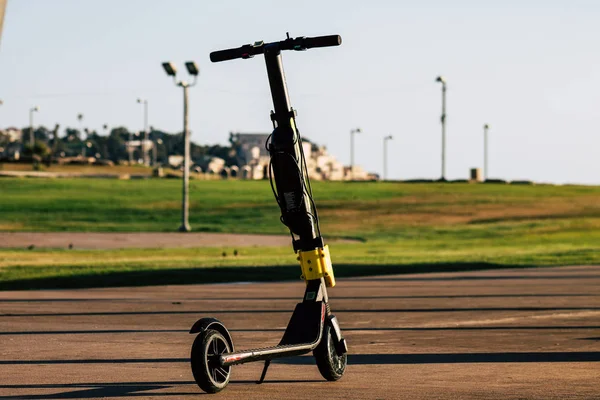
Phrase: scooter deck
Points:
(301, 336)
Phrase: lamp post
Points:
(31, 136)
(171, 70)
(442, 80)
(485, 151)
(105, 141)
(145, 152)
(352, 132)
(80, 119)
(385, 140)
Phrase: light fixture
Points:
(192, 68)
(170, 68)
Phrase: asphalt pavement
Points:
(503, 334)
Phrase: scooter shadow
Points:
(276, 381)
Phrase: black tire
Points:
(207, 347)
(331, 366)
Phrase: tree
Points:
(115, 144)
(39, 149)
(72, 135)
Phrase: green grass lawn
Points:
(88, 169)
(403, 227)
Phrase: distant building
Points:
(11, 144)
(249, 146)
(132, 145)
(254, 158)
(251, 154)
(175, 161)
(13, 134)
(213, 165)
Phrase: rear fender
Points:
(212, 323)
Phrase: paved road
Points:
(512, 334)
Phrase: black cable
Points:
(302, 170)
(267, 143)
(309, 191)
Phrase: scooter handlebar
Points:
(232, 54)
(322, 41)
(300, 43)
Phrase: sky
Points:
(528, 68)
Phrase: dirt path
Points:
(101, 240)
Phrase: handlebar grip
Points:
(224, 55)
(322, 41)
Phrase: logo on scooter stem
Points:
(292, 201)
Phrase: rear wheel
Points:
(208, 373)
(331, 365)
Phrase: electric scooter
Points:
(312, 326)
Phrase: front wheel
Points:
(208, 373)
(331, 365)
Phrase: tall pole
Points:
(80, 119)
(185, 226)
(105, 147)
(385, 139)
(384, 158)
(443, 120)
(31, 140)
(143, 146)
(444, 131)
(485, 151)
(352, 132)
(193, 70)
(146, 160)
(31, 135)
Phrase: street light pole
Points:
(105, 146)
(31, 136)
(443, 120)
(352, 132)
(385, 139)
(185, 226)
(485, 151)
(80, 119)
(145, 152)
(172, 71)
